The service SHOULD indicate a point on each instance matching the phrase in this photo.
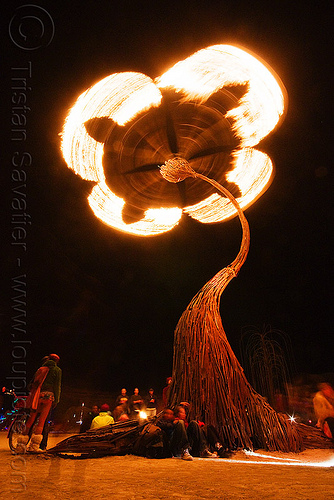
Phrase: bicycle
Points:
(18, 423)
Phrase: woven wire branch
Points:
(207, 374)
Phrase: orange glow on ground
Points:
(253, 458)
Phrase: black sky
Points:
(108, 303)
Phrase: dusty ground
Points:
(277, 476)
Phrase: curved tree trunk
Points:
(207, 373)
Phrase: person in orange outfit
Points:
(44, 395)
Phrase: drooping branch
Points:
(206, 371)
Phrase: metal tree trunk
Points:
(207, 374)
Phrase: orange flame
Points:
(122, 96)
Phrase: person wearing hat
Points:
(103, 418)
(151, 403)
(44, 395)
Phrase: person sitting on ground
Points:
(121, 413)
(118, 411)
(204, 439)
(103, 418)
(88, 418)
(135, 403)
(323, 403)
(197, 439)
(123, 417)
(175, 437)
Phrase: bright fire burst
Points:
(125, 98)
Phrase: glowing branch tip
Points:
(177, 169)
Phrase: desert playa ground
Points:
(308, 476)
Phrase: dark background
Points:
(107, 302)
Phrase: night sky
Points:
(108, 302)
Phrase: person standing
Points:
(123, 398)
(166, 391)
(135, 403)
(151, 403)
(44, 395)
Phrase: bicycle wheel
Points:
(17, 428)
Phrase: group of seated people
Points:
(189, 439)
(183, 438)
(126, 407)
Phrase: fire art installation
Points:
(210, 109)
(184, 144)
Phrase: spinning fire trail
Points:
(149, 145)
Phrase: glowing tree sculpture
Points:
(149, 145)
